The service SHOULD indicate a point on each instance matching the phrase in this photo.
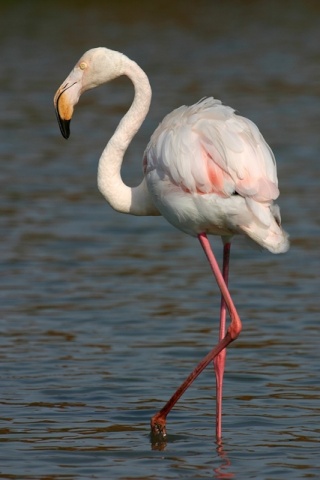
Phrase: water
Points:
(103, 315)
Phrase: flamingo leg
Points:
(158, 421)
(220, 360)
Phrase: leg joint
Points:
(235, 328)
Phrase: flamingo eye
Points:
(83, 65)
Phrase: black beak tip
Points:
(64, 126)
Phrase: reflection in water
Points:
(159, 444)
(100, 318)
(222, 470)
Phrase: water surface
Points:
(103, 315)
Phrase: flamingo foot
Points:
(158, 425)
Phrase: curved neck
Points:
(137, 200)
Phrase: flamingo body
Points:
(206, 169)
(210, 170)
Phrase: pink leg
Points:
(158, 421)
(220, 360)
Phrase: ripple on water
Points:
(103, 315)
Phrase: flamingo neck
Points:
(137, 200)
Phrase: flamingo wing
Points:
(207, 148)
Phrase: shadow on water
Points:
(103, 315)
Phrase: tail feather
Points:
(267, 230)
(274, 238)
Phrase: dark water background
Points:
(103, 315)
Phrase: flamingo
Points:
(206, 170)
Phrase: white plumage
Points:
(221, 171)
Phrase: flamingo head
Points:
(95, 67)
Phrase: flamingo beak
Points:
(66, 97)
(64, 108)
